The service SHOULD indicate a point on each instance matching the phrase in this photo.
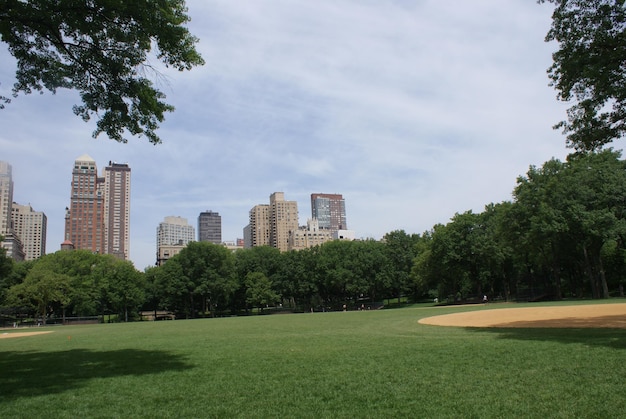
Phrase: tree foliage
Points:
(259, 292)
(590, 68)
(101, 49)
(77, 283)
(562, 236)
(208, 274)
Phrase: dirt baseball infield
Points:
(593, 316)
(7, 335)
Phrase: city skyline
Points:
(100, 189)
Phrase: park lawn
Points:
(355, 364)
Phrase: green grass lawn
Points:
(336, 365)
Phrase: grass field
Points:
(323, 365)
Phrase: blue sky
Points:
(413, 110)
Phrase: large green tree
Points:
(400, 250)
(259, 292)
(123, 288)
(101, 48)
(6, 269)
(573, 210)
(589, 69)
(209, 273)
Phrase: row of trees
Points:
(562, 236)
(72, 283)
(207, 279)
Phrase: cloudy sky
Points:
(413, 110)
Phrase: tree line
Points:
(562, 235)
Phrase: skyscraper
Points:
(11, 241)
(98, 218)
(272, 224)
(117, 210)
(84, 217)
(31, 227)
(6, 197)
(175, 230)
(173, 234)
(329, 210)
(210, 227)
(257, 233)
(283, 220)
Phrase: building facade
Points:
(98, 218)
(116, 210)
(173, 234)
(271, 225)
(309, 236)
(31, 227)
(257, 233)
(283, 220)
(210, 227)
(6, 197)
(11, 241)
(329, 210)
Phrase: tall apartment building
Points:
(117, 210)
(173, 234)
(210, 227)
(6, 197)
(11, 241)
(283, 220)
(31, 227)
(98, 218)
(257, 233)
(329, 210)
(272, 224)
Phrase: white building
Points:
(30, 226)
(173, 234)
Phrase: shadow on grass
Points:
(27, 374)
(611, 338)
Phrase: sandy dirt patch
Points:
(593, 316)
(6, 335)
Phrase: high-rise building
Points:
(30, 226)
(117, 210)
(11, 241)
(98, 218)
(257, 233)
(329, 210)
(6, 197)
(210, 227)
(175, 230)
(271, 225)
(283, 220)
(84, 217)
(173, 234)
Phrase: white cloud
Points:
(412, 110)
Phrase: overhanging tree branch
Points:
(96, 47)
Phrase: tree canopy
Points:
(101, 49)
(589, 68)
(562, 236)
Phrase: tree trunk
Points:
(556, 269)
(605, 287)
(594, 287)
